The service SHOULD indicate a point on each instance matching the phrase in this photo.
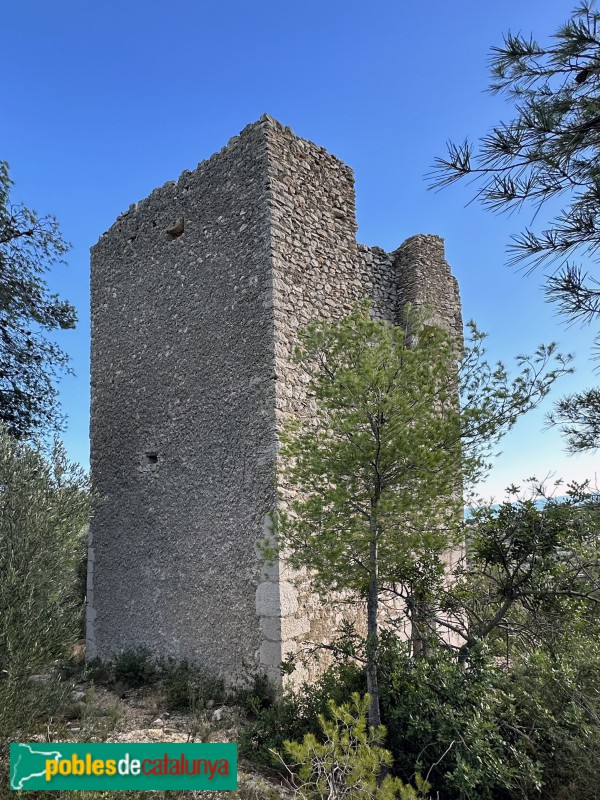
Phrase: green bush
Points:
(269, 729)
(255, 694)
(100, 672)
(557, 704)
(273, 720)
(456, 724)
(44, 507)
(134, 668)
(482, 731)
(190, 688)
(186, 687)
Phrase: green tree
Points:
(44, 507)
(529, 574)
(578, 416)
(517, 714)
(550, 150)
(373, 479)
(29, 360)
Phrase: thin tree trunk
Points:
(372, 626)
(421, 618)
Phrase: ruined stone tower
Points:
(198, 292)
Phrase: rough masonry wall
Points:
(320, 271)
(183, 415)
(424, 280)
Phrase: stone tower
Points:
(198, 292)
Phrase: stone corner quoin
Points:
(198, 294)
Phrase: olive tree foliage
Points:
(44, 507)
(373, 477)
(549, 151)
(29, 360)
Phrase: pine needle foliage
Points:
(548, 153)
(372, 478)
(347, 764)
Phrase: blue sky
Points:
(105, 101)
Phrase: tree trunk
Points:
(421, 619)
(372, 628)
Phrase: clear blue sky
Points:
(102, 102)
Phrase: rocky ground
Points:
(98, 713)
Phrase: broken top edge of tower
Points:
(264, 122)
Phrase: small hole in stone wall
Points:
(151, 457)
(176, 229)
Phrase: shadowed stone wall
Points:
(198, 293)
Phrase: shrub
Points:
(455, 724)
(44, 507)
(350, 762)
(485, 731)
(100, 672)
(274, 719)
(190, 688)
(186, 687)
(557, 704)
(269, 729)
(255, 694)
(134, 668)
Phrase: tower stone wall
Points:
(198, 293)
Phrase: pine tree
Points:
(549, 150)
(373, 478)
